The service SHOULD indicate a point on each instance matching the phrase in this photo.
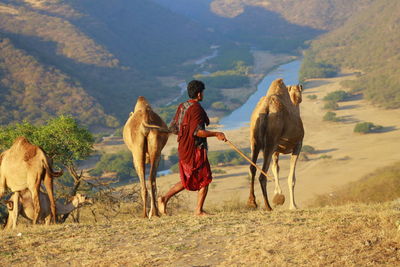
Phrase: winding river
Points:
(241, 116)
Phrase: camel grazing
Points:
(21, 203)
(276, 127)
(24, 166)
(145, 134)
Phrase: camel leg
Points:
(35, 189)
(13, 211)
(252, 173)
(279, 198)
(48, 183)
(275, 171)
(139, 163)
(154, 161)
(292, 175)
(263, 179)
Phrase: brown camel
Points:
(24, 166)
(21, 203)
(276, 127)
(145, 134)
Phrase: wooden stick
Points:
(246, 158)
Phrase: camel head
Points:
(79, 200)
(295, 93)
(142, 104)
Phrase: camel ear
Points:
(301, 87)
(10, 205)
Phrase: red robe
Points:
(195, 171)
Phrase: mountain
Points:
(90, 58)
(325, 15)
(369, 42)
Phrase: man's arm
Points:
(205, 133)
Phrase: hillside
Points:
(368, 42)
(348, 235)
(111, 53)
(324, 15)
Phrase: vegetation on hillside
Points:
(369, 45)
(366, 127)
(380, 186)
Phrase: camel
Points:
(276, 127)
(21, 203)
(145, 134)
(24, 166)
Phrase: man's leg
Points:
(163, 200)
(200, 201)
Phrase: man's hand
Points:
(220, 136)
(205, 133)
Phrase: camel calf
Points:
(145, 134)
(21, 203)
(24, 166)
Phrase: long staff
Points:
(246, 158)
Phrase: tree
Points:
(63, 140)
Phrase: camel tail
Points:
(50, 171)
(2, 179)
(146, 124)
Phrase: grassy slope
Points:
(349, 235)
(369, 42)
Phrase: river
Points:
(241, 116)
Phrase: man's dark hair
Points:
(194, 87)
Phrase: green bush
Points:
(312, 97)
(219, 105)
(330, 116)
(331, 105)
(121, 163)
(225, 157)
(366, 127)
(225, 81)
(336, 96)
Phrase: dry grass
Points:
(353, 235)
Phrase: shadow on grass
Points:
(386, 129)
(348, 107)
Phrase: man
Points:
(189, 123)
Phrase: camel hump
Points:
(24, 147)
(275, 104)
(277, 87)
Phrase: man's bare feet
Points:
(161, 205)
(202, 213)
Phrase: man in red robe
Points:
(189, 123)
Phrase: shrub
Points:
(312, 97)
(121, 163)
(331, 105)
(219, 105)
(330, 116)
(336, 96)
(366, 127)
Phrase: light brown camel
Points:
(276, 127)
(21, 203)
(24, 166)
(145, 134)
